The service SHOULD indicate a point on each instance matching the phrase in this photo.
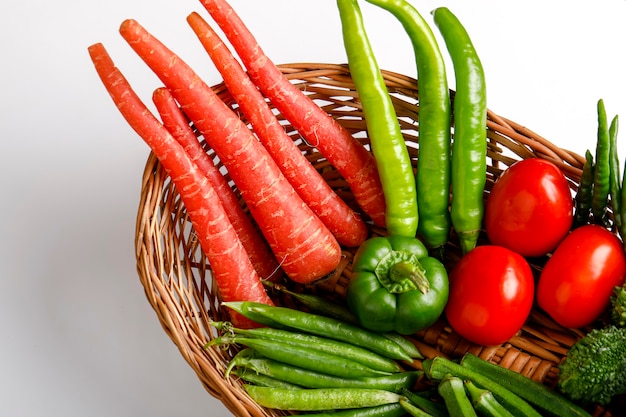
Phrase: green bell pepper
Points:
(396, 286)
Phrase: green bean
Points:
(601, 172)
(469, 146)
(453, 393)
(484, 402)
(303, 357)
(262, 380)
(320, 326)
(433, 165)
(320, 399)
(434, 409)
(385, 410)
(584, 194)
(386, 139)
(410, 408)
(533, 392)
(440, 367)
(342, 349)
(314, 379)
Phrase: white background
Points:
(78, 337)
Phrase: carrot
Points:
(338, 146)
(176, 123)
(349, 229)
(232, 270)
(303, 245)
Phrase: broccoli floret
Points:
(618, 306)
(594, 369)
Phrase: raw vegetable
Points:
(433, 165)
(177, 124)
(618, 306)
(484, 402)
(615, 184)
(347, 226)
(256, 378)
(582, 211)
(339, 147)
(304, 247)
(322, 326)
(232, 269)
(319, 399)
(385, 410)
(530, 208)
(435, 409)
(413, 410)
(315, 379)
(383, 129)
(537, 394)
(577, 281)
(452, 391)
(300, 356)
(335, 347)
(469, 147)
(440, 367)
(594, 370)
(491, 295)
(601, 172)
(396, 286)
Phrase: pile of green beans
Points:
(289, 365)
(473, 387)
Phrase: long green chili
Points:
(615, 179)
(433, 165)
(601, 173)
(582, 213)
(469, 146)
(387, 142)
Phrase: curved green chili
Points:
(615, 185)
(469, 146)
(601, 173)
(584, 194)
(433, 165)
(387, 142)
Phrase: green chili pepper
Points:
(396, 285)
(434, 409)
(484, 402)
(584, 194)
(256, 378)
(433, 165)
(615, 184)
(387, 142)
(469, 146)
(601, 172)
(319, 399)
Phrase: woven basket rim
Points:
(176, 277)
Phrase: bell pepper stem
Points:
(414, 272)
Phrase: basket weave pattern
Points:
(177, 278)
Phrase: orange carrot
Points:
(347, 226)
(304, 246)
(338, 146)
(233, 272)
(176, 123)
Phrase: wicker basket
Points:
(177, 278)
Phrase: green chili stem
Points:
(387, 142)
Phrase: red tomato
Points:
(491, 295)
(576, 283)
(530, 208)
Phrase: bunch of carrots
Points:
(298, 222)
